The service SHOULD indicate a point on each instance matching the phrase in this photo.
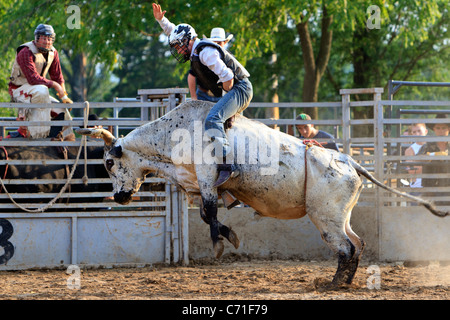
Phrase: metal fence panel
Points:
(118, 240)
(38, 243)
(93, 233)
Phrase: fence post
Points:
(346, 122)
(175, 222)
(168, 223)
(183, 204)
(144, 111)
(378, 157)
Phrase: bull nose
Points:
(123, 197)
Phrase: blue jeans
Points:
(235, 101)
(205, 97)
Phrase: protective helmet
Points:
(44, 30)
(179, 41)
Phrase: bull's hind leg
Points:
(330, 174)
(346, 252)
(348, 258)
(338, 235)
(359, 244)
(356, 241)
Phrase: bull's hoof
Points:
(218, 249)
(233, 238)
(322, 285)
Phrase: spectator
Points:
(437, 166)
(417, 129)
(34, 60)
(308, 131)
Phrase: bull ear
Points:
(116, 152)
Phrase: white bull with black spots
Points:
(280, 176)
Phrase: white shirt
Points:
(209, 56)
(416, 147)
(418, 182)
(166, 25)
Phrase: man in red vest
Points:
(34, 60)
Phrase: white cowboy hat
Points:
(218, 34)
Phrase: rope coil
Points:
(69, 179)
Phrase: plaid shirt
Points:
(25, 59)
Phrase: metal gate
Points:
(151, 229)
(400, 229)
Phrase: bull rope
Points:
(69, 179)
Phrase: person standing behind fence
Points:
(438, 148)
(308, 131)
(28, 83)
(417, 129)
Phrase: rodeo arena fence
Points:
(154, 227)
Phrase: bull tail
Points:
(427, 204)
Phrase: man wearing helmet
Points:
(197, 91)
(34, 60)
(218, 72)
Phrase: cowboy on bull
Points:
(28, 83)
(219, 72)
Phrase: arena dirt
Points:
(235, 279)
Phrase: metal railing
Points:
(379, 153)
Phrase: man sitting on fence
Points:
(34, 60)
(308, 131)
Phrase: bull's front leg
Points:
(206, 178)
(210, 212)
(225, 231)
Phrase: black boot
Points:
(226, 171)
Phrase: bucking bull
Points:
(280, 176)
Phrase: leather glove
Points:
(65, 98)
(438, 153)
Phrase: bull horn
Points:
(107, 136)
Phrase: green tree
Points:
(144, 65)
(101, 32)
(325, 30)
(319, 45)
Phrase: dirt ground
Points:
(233, 279)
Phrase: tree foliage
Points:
(320, 45)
